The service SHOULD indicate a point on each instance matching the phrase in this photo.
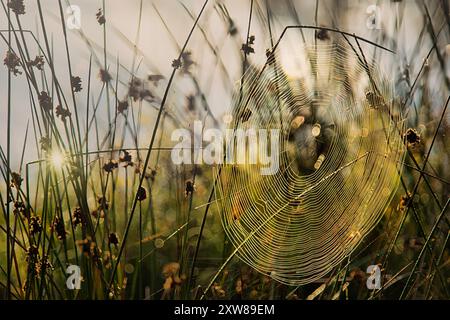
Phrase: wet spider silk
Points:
(340, 157)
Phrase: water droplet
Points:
(159, 243)
(129, 268)
(297, 122)
(319, 161)
(315, 131)
(227, 118)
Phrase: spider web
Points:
(340, 154)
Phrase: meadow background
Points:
(80, 187)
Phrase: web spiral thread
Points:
(340, 154)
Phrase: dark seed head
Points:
(126, 158)
(35, 225)
(17, 6)
(322, 34)
(412, 136)
(113, 239)
(16, 180)
(12, 62)
(62, 113)
(110, 166)
(78, 217)
(100, 17)
(76, 83)
(190, 187)
(58, 227)
(45, 101)
(141, 194)
(122, 106)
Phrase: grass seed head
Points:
(100, 17)
(17, 6)
(76, 83)
(12, 62)
(38, 63)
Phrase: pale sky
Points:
(159, 47)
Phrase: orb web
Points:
(340, 154)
